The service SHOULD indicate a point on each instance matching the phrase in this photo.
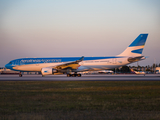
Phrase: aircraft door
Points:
(114, 60)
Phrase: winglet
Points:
(81, 59)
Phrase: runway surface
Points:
(99, 77)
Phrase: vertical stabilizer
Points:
(136, 47)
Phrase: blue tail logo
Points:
(136, 47)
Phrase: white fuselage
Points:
(91, 65)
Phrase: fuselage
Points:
(89, 63)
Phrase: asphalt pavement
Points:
(93, 77)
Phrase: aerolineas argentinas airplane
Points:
(72, 65)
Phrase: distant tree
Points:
(148, 69)
(116, 70)
(125, 69)
(154, 65)
(139, 66)
(113, 70)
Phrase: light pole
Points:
(154, 66)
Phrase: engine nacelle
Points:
(48, 71)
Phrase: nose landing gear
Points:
(20, 74)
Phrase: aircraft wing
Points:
(69, 65)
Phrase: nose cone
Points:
(8, 66)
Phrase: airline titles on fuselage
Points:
(40, 61)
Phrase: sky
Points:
(60, 28)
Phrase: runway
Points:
(98, 77)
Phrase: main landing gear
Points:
(73, 75)
(20, 74)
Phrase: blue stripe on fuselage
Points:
(24, 61)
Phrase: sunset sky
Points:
(60, 28)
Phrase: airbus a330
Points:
(71, 66)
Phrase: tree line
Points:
(127, 69)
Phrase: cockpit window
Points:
(10, 62)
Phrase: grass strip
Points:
(79, 100)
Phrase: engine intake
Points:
(48, 71)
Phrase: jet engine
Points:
(48, 71)
(135, 59)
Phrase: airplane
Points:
(73, 65)
(138, 72)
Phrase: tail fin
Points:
(136, 47)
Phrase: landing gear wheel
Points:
(79, 75)
(20, 75)
(74, 75)
(69, 75)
